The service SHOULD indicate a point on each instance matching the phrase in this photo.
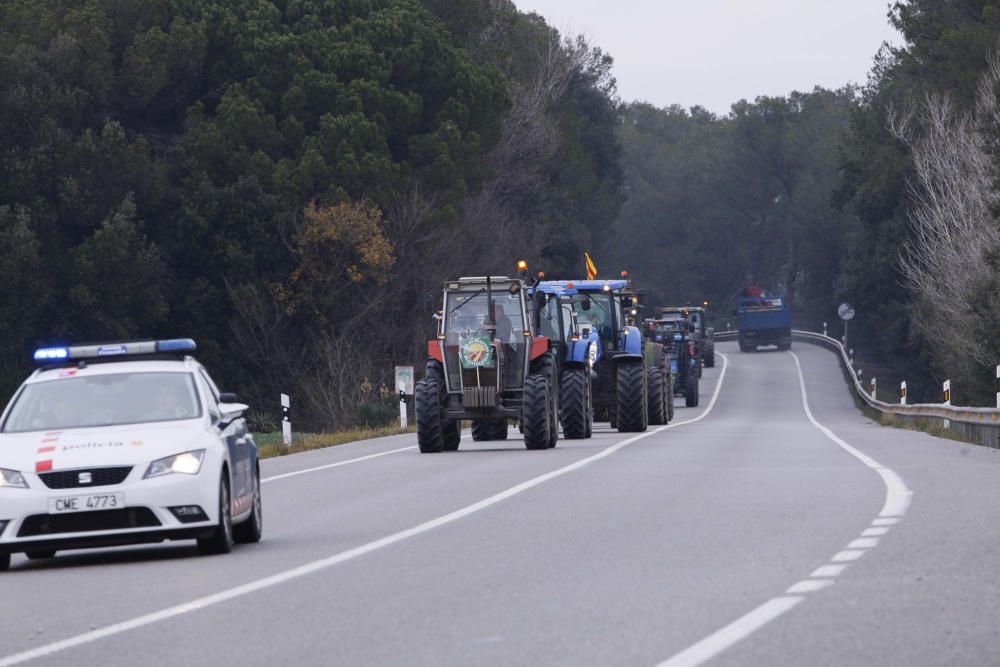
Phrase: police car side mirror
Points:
(231, 411)
(227, 397)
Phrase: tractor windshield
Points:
(594, 311)
(465, 322)
(466, 315)
(551, 324)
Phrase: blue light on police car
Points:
(176, 345)
(51, 353)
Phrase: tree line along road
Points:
(743, 533)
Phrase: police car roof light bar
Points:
(134, 348)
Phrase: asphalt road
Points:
(744, 533)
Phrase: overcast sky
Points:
(716, 52)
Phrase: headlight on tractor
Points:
(188, 463)
(592, 354)
(12, 479)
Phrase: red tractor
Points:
(487, 365)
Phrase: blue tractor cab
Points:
(621, 391)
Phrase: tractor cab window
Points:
(594, 311)
(466, 316)
(550, 324)
(663, 331)
(619, 313)
(696, 320)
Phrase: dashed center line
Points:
(897, 501)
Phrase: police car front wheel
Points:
(251, 529)
(221, 539)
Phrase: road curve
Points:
(615, 550)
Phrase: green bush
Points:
(376, 414)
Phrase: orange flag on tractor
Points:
(591, 269)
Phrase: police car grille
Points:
(70, 479)
(82, 522)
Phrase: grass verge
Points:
(269, 445)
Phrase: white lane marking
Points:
(809, 586)
(830, 570)
(847, 556)
(897, 501)
(874, 532)
(864, 543)
(882, 521)
(330, 561)
(338, 464)
(733, 633)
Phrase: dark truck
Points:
(763, 320)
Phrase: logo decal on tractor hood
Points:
(476, 352)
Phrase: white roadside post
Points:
(402, 405)
(405, 386)
(286, 420)
(874, 390)
(946, 399)
(824, 328)
(851, 351)
(998, 386)
(902, 392)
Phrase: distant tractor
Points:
(489, 366)
(763, 320)
(675, 333)
(574, 351)
(704, 335)
(626, 392)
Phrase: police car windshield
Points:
(103, 400)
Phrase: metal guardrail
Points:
(978, 425)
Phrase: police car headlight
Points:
(188, 463)
(12, 479)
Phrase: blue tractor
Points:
(676, 333)
(574, 351)
(624, 391)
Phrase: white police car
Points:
(124, 443)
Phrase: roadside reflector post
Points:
(946, 392)
(874, 389)
(402, 405)
(998, 386)
(824, 328)
(902, 392)
(286, 420)
(851, 353)
(406, 387)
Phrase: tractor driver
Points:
(505, 328)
